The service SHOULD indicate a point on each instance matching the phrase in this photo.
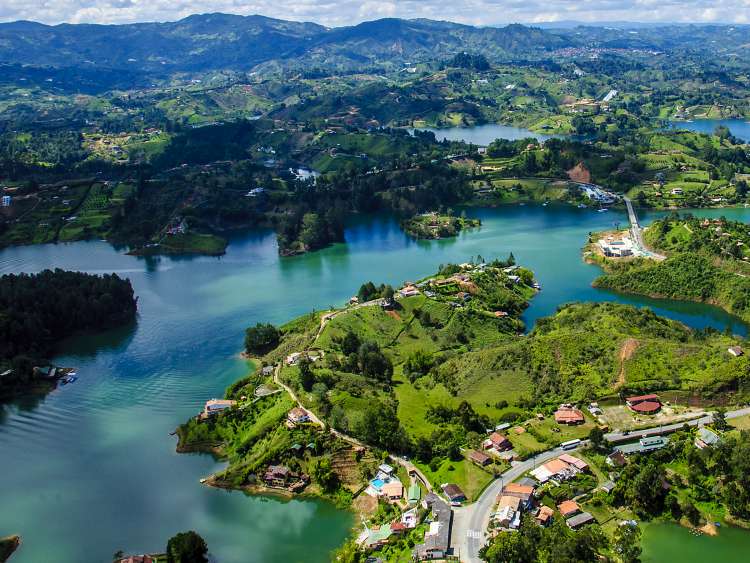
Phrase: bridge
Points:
(637, 232)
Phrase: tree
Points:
(373, 363)
(628, 543)
(261, 338)
(720, 420)
(306, 374)
(350, 343)
(417, 364)
(323, 474)
(187, 547)
(596, 437)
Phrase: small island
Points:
(435, 225)
(38, 311)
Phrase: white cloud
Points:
(345, 12)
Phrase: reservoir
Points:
(740, 128)
(483, 135)
(91, 468)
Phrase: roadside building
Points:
(644, 404)
(524, 493)
(607, 486)
(569, 415)
(479, 458)
(644, 445)
(574, 461)
(437, 538)
(616, 459)
(497, 442)
(454, 492)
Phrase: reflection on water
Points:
(92, 466)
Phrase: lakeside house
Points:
(216, 406)
(735, 351)
(385, 484)
(393, 491)
(277, 476)
(414, 494)
(568, 414)
(644, 404)
(437, 538)
(613, 247)
(408, 291)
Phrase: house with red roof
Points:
(644, 404)
(569, 415)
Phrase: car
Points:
(455, 503)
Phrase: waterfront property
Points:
(216, 406)
(298, 415)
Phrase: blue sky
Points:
(346, 12)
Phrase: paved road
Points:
(637, 232)
(470, 522)
(617, 437)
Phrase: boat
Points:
(582, 206)
(545, 204)
(602, 210)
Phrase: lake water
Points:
(91, 468)
(740, 128)
(483, 135)
(670, 542)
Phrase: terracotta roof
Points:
(574, 461)
(556, 466)
(506, 500)
(568, 415)
(393, 489)
(568, 507)
(518, 489)
(479, 457)
(641, 398)
(498, 439)
(545, 513)
(646, 406)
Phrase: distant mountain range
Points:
(213, 41)
(223, 41)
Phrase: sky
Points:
(346, 12)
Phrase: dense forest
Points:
(39, 310)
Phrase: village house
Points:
(408, 291)
(706, 438)
(454, 492)
(568, 508)
(437, 538)
(277, 476)
(575, 462)
(545, 515)
(414, 494)
(616, 459)
(559, 469)
(479, 458)
(580, 520)
(524, 493)
(393, 491)
(644, 404)
(567, 414)
(644, 445)
(497, 442)
(215, 406)
(137, 559)
(298, 415)
(735, 351)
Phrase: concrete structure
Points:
(644, 445)
(215, 406)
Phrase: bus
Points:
(570, 444)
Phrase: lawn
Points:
(465, 474)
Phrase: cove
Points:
(740, 128)
(91, 468)
(668, 541)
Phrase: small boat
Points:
(545, 204)
(582, 206)
(602, 210)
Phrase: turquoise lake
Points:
(91, 468)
